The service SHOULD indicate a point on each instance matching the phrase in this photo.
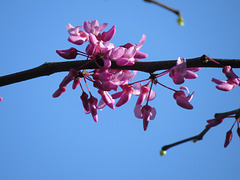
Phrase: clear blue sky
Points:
(46, 138)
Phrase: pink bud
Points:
(107, 98)
(76, 82)
(238, 131)
(1, 99)
(68, 53)
(228, 138)
(71, 75)
(84, 98)
(92, 101)
(59, 91)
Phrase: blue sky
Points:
(46, 138)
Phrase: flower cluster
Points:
(102, 52)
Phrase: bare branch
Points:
(165, 6)
(200, 136)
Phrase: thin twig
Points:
(165, 6)
(194, 138)
(200, 136)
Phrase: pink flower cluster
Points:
(101, 51)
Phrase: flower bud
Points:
(228, 138)
(163, 153)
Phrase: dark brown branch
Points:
(194, 138)
(225, 114)
(149, 67)
(200, 136)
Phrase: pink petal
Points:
(76, 40)
(107, 35)
(190, 75)
(138, 111)
(84, 98)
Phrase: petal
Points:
(130, 52)
(140, 55)
(183, 102)
(190, 75)
(107, 35)
(153, 113)
(137, 111)
(117, 52)
(76, 40)
(141, 41)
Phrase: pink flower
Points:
(1, 99)
(142, 91)
(92, 102)
(106, 100)
(131, 53)
(94, 27)
(124, 95)
(227, 70)
(71, 75)
(179, 72)
(68, 54)
(183, 100)
(76, 36)
(224, 85)
(84, 98)
(146, 113)
(230, 83)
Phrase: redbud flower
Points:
(68, 54)
(124, 95)
(84, 98)
(94, 27)
(92, 101)
(146, 113)
(224, 85)
(76, 36)
(142, 91)
(106, 100)
(179, 72)
(231, 82)
(71, 75)
(227, 70)
(228, 138)
(183, 100)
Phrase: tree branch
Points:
(200, 136)
(165, 6)
(47, 69)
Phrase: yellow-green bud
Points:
(180, 21)
(163, 153)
